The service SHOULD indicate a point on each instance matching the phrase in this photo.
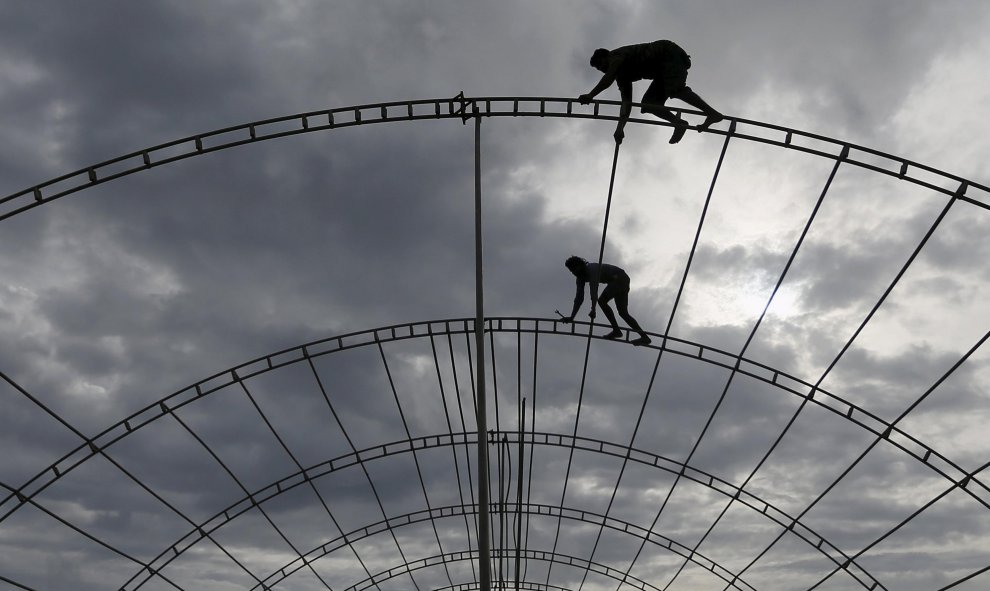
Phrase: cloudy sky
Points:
(118, 296)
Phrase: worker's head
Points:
(575, 264)
(599, 59)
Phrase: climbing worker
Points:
(663, 62)
(617, 288)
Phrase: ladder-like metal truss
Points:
(460, 108)
(462, 434)
(169, 407)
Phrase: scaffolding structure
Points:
(491, 449)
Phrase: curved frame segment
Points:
(969, 483)
(732, 579)
(784, 520)
(525, 585)
(464, 108)
(554, 557)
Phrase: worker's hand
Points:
(585, 99)
(619, 135)
(592, 314)
(567, 319)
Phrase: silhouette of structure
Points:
(433, 543)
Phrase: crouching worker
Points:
(616, 288)
(663, 62)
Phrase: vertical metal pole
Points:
(503, 494)
(519, 488)
(484, 548)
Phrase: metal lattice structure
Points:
(427, 425)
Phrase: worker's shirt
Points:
(642, 60)
(595, 274)
(630, 63)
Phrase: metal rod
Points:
(503, 493)
(519, 492)
(484, 554)
(231, 137)
(587, 347)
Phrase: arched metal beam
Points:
(310, 474)
(971, 484)
(460, 108)
(525, 585)
(528, 508)
(553, 557)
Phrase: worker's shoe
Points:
(679, 128)
(710, 120)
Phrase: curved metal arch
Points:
(554, 557)
(970, 483)
(287, 483)
(94, 175)
(526, 585)
(463, 108)
(732, 579)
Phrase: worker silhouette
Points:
(617, 288)
(663, 62)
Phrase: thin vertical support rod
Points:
(608, 210)
(484, 549)
(587, 351)
(519, 492)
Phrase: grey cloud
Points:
(142, 286)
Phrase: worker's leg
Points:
(622, 305)
(653, 103)
(691, 97)
(603, 299)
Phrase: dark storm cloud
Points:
(172, 271)
(117, 296)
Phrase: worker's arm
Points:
(615, 64)
(625, 91)
(594, 296)
(607, 79)
(578, 300)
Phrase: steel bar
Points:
(484, 550)
(427, 109)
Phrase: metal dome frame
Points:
(98, 446)
(460, 107)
